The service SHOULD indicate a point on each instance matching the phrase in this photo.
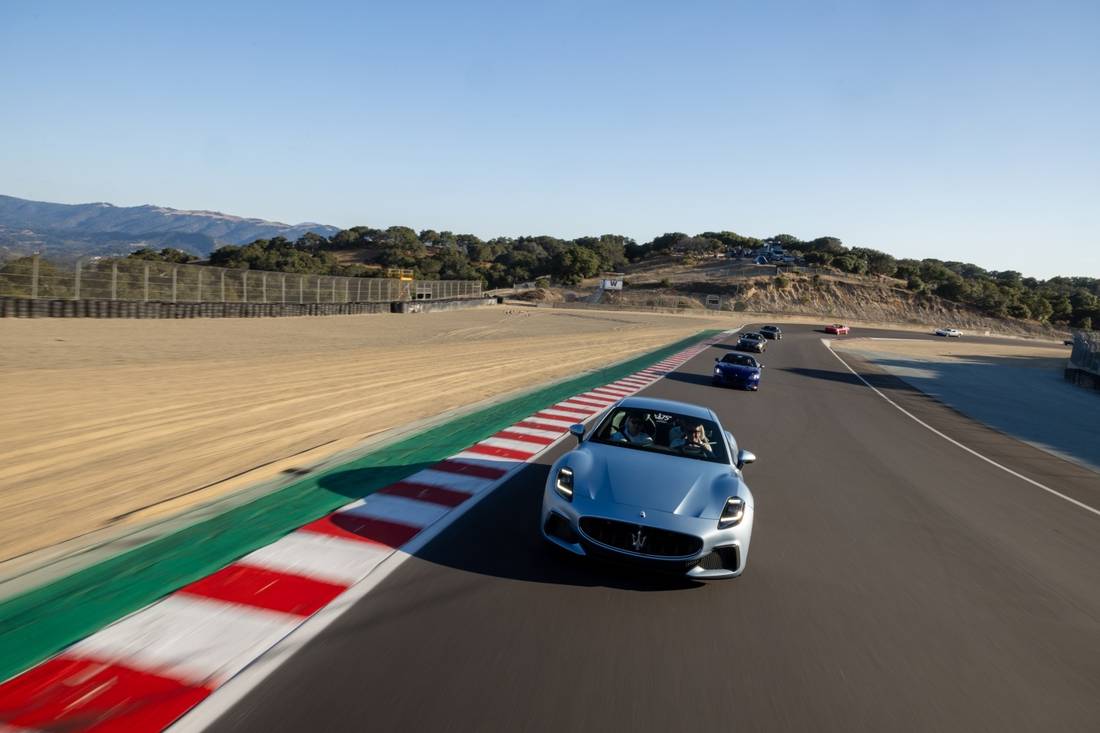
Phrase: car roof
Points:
(683, 408)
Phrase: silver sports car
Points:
(656, 482)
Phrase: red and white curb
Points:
(146, 670)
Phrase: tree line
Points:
(501, 261)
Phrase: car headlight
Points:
(732, 513)
(563, 484)
(754, 375)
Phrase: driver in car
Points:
(695, 442)
(632, 432)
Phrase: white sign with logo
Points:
(616, 284)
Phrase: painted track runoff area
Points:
(144, 671)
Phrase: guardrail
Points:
(122, 279)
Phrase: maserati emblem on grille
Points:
(641, 514)
(637, 539)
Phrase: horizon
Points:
(894, 128)
(546, 234)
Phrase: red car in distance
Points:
(837, 328)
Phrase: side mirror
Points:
(745, 457)
(716, 358)
(577, 431)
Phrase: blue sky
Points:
(958, 130)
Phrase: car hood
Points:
(672, 484)
(738, 370)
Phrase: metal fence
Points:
(1086, 351)
(143, 280)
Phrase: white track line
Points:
(951, 440)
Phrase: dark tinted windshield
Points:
(770, 328)
(740, 360)
(752, 337)
(662, 432)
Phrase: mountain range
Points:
(64, 231)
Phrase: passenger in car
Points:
(632, 432)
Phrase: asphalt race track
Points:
(895, 582)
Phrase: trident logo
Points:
(637, 539)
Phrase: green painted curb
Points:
(41, 622)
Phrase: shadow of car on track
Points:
(688, 378)
(500, 537)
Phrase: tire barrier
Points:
(1082, 378)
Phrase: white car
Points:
(949, 332)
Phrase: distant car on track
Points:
(949, 332)
(751, 341)
(838, 328)
(771, 332)
(737, 370)
(657, 483)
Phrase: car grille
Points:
(721, 558)
(623, 536)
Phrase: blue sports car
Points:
(737, 370)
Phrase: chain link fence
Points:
(142, 280)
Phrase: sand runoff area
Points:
(111, 423)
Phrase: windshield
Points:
(753, 337)
(740, 360)
(662, 432)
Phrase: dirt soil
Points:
(1029, 354)
(106, 423)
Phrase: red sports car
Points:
(836, 328)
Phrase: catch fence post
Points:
(34, 276)
(317, 289)
(174, 272)
(359, 290)
(263, 287)
(301, 289)
(223, 285)
(284, 288)
(347, 290)
(333, 283)
(76, 279)
(145, 283)
(198, 294)
(244, 277)
(114, 281)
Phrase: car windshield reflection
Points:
(663, 432)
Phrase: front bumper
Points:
(722, 380)
(723, 553)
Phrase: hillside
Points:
(827, 297)
(70, 230)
